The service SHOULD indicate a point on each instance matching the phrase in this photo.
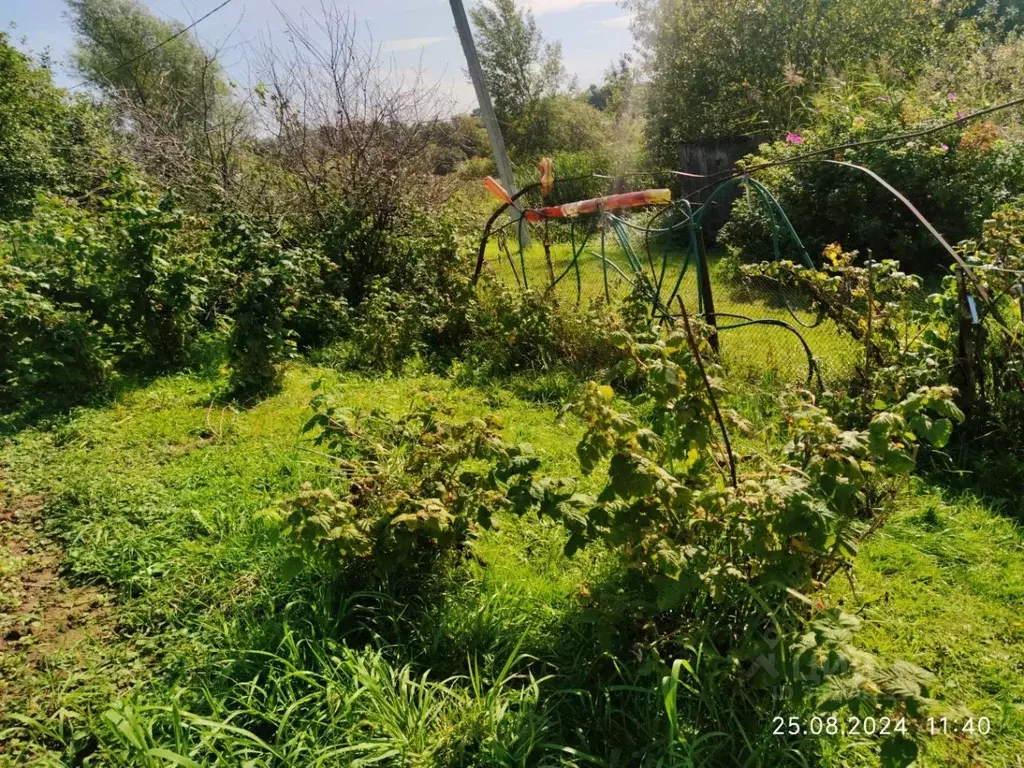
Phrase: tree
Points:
(344, 131)
(613, 95)
(117, 50)
(47, 141)
(1001, 15)
(722, 68)
(170, 93)
(520, 67)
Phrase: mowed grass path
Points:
(157, 498)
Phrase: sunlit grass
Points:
(747, 349)
(499, 659)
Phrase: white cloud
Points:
(618, 21)
(411, 43)
(540, 7)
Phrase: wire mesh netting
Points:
(767, 328)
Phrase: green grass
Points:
(747, 350)
(506, 658)
(942, 586)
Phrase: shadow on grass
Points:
(993, 474)
(605, 670)
(58, 408)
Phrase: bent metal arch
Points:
(599, 225)
(596, 217)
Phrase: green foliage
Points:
(520, 68)
(412, 489)
(997, 258)
(981, 68)
(46, 141)
(407, 284)
(616, 92)
(739, 560)
(49, 353)
(281, 299)
(907, 345)
(912, 341)
(526, 331)
(217, 659)
(571, 130)
(414, 250)
(956, 178)
(743, 67)
(122, 49)
(126, 275)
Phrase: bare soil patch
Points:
(41, 614)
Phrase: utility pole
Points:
(476, 74)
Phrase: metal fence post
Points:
(704, 285)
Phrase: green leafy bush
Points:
(408, 287)
(907, 341)
(956, 178)
(740, 563)
(50, 354)
(912, 341)
(407, 491)
(280, 299)
(129, 271)
(527, 332)
(750, 68)
(47, 142)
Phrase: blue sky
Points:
(416, 33)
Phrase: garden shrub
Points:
(411, 248)
(735, 568)
(50, 353)
(884, 309)
(527, 331)
(956, 178)
(419, 300)
(280, 300)
(998, 261)
(126, 272)
(910, 341)
(47, 141)
(405, 491)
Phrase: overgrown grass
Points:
(747, 349)
(515, 656)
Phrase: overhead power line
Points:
(105, 75)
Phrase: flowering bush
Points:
(956, 178)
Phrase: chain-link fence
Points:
(766, 328)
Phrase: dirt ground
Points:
(40, 613)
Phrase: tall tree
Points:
(722, 68)
(169, 91)
(521, 68)
(117, 50)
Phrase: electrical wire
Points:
(721, 176)
(105, 75)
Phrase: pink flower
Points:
(794, 138)
(944, 147)
(951, 96)
(960, 115)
